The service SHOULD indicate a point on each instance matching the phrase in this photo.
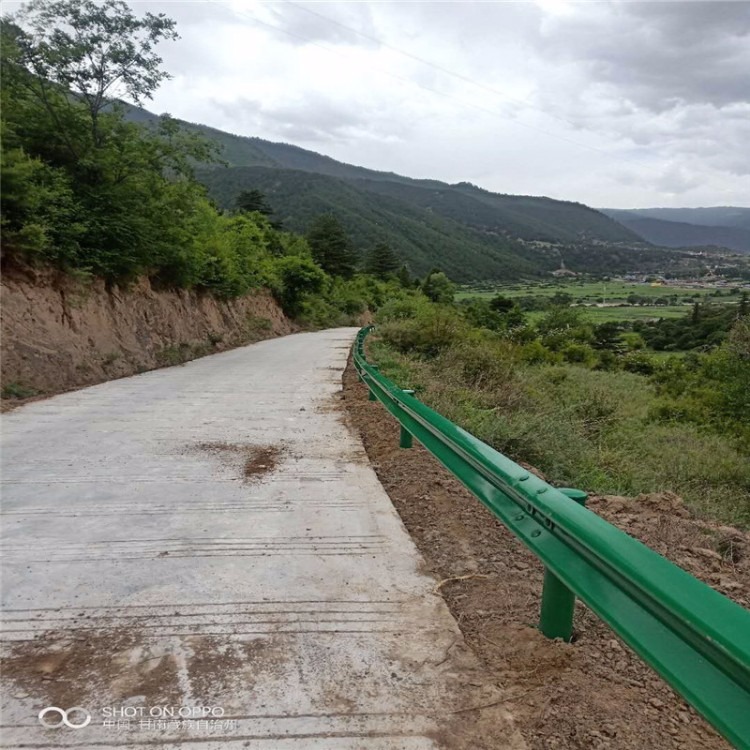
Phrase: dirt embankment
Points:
(60, 333)
(594, 693)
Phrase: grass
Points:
(607, 314)
(18, 391)
(582, 428)
(599, 315)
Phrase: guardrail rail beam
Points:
(697, 640)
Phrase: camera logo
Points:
(75, 718)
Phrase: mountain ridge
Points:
(468, 231)
(733, 233)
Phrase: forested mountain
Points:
(689, 227)
(469, 232)
(421, 238)
(528, 217)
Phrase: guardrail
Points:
(695, 638)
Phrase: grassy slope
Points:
(585, 429)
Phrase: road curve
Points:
(202, 557)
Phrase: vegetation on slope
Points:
(90, 192)
(584, 404)
(419, 237)
(524, 217)
(683, 234)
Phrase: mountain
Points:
(715, 216)
(721, 226)
(469, 232)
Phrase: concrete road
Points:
(202, 557)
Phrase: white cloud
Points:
(608, 103)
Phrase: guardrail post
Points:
(558, 601)
(405, 441)
(371, 394)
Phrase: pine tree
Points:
(255, 200)
(382, 261)
(404, 277)
(331, 247)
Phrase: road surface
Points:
(201, 557)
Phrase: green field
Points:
(589, 291)
(608, 314)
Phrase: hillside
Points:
(710, 216)
(469, 232)
(689, 227)
(421, 238)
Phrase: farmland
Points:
(605, 301)
(590, 291)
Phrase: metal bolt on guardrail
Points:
(697, 640)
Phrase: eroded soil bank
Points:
(594, 693)
(60, 333)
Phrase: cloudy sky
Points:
(622, 104)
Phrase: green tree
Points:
(404, 277)
(96, 50)
(299, 278)
(331, 247)
(501, 304)
(438, 287)
(382, 261)
(125, 183)
(255, 200)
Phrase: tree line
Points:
(89, 192)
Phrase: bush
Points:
(581, 354)
(607, 360)
(639, 362)
(432, 330)
(480, 364)
(535, 353)
(298, 278)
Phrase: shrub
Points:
(581, 354)
(639, 362)
(480, 364)
(535, 353)
(432, 330)
(298, 277)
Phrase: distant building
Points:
(562, 271)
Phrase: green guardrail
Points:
(695, 638)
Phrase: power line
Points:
(440, 68)
(495, 113)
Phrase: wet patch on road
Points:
(252, 462)
(74, 668)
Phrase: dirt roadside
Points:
(594, 693)
(60, 333)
